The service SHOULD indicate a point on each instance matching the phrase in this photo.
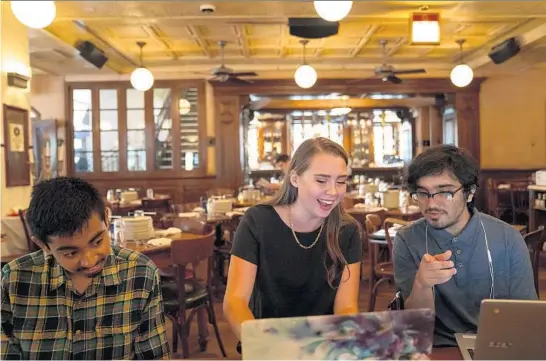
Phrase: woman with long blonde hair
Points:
(300, 254)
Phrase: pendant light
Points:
(142, 79)
(462, 74)
(305, 76)
(333, 10)
(34, 14)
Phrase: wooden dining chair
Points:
(381, 272)
(178, 298)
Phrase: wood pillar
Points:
(422, 130)
(467, 108)
(228, 161)
(436, 126)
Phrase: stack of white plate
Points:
(138, 228)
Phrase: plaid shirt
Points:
(120, 316)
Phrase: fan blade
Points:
(248, 73)
(394, 79)
(197, 73)
(409, 71)
(240, 81)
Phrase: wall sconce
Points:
(425, 28)
(18, 80)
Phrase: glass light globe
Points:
(461, 75)
(142, 79)
(333, 10)
(305, 76)
(34, 14)
(184, 106)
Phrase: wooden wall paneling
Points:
(467, 107)
(228, 167)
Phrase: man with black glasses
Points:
(454, 257)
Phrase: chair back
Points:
(535, 241)
(373, 223)
(191, 225)
(157, 205)
(388, 223)
(32, 247)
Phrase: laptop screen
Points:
(382, 335)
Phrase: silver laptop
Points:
(378, 335)
(507, 330)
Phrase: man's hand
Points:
(434, 270)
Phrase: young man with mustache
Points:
(78, 297)
(454, 257)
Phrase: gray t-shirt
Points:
(457, 301)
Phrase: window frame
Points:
(151, 172)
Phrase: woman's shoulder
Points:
(260, 212)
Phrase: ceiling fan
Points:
(388, 73)
(224, 74)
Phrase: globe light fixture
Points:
(34, 14)
(184, 106)
(305, 76)
(142, 79)
(462, 74)
(333, 10)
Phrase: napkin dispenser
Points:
(219, 205)
(391, 199)
(540, 177)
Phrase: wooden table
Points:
(160, 255)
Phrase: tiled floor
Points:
(230, 341)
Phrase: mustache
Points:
(436, 210)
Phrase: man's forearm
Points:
(420, 297)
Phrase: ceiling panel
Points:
(180, 37)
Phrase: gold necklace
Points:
(294, 233)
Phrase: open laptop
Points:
(507, 330)
(379, 335)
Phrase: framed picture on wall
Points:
(16, 146)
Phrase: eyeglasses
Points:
(438, 197)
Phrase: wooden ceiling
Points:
(182, 41)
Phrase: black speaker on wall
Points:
(312, 28)
(504, 51)
(91, 53)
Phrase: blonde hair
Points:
(337, 217)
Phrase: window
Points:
(83, 130)
(136, 133)
(189, 129)
(117, 129)
(109, 144)
(312, 124)
(163, 125)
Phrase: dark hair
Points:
(436, 160)
(282, 158)
(62, 207)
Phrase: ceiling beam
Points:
(154, 32)
(193, 32)
(351, 103)
(242, 42)
(372, 29)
